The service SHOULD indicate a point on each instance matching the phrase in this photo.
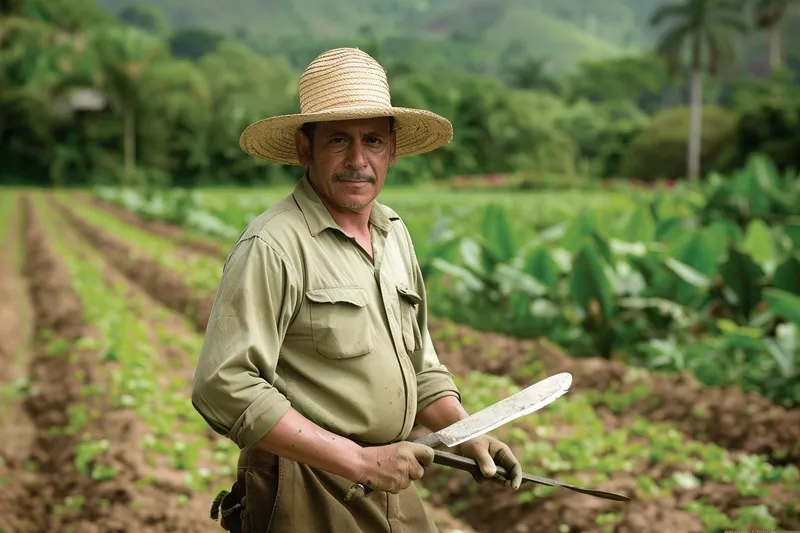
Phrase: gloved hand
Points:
(394, 467)
(488, 452)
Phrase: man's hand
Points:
(486, 450)
(393, 467)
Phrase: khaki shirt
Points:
(303, 317)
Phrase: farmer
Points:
(317, 360)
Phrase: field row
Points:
(600, 434)
(115, 443)
(703, 280)
(751, 423)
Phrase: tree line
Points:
(90, 98)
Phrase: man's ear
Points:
(303, 148)
(392, 148)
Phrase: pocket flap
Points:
(352, 295)
(409, 294)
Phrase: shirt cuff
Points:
(259, 418)
(433, 384)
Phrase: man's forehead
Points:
(377, 124)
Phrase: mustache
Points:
(354, 176)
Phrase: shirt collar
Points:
(318, 218)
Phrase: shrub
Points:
(660, 150)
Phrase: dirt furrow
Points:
(176, 327)
(170, 231)
(166, 287)
(489, 508)
(17, 428)
(91, 474)
(726, 416)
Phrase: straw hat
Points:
(341, 84)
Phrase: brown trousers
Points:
(283, 496)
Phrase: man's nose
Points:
(356, 156)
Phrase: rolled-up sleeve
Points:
(434, 380)
(236, 385)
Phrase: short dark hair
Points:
(309, 127)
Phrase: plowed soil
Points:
(170, 231)
(17, 429)
(61, 498)
(176, 326)
(724, 415)
(164, 286)
(490, 508)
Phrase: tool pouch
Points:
(227, 507)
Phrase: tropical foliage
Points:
(95, 98)
(705, 280)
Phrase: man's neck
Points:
(353, 222)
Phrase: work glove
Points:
(488, 452)
(393, 467)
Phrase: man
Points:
(317, 359)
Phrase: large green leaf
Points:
(744, 277)
(685, 272)
(542, 266)
(787, 275)
(471, 281)
(758, 243)
(641, 227)
(699, 250)
(588, 283)
(792, 229)
(784, 304)
(497, 237)
(722, 232)
(669, 229)
(603, 247)
(580, 227)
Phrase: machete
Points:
(522, 403)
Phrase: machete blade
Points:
(520, 404)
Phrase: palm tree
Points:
(707, 27)
(769, 15)
(125, 55)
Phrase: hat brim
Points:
(418, 131)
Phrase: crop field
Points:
(676, 312)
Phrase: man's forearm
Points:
(296, 437)
(441, 413)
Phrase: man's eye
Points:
(375, 140)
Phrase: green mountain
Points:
(431, 35)
(562, 32)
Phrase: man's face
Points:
(349, 160)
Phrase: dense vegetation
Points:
(130, 452)
(97, 97)
(683, 279)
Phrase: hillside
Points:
(562, 31)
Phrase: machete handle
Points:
(358, 490)
(470, 465)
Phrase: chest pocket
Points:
(409, 306)
(340, 323)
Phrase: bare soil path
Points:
(170, 231)
(91, 475)
(16, 427)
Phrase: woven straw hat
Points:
(342, 84)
